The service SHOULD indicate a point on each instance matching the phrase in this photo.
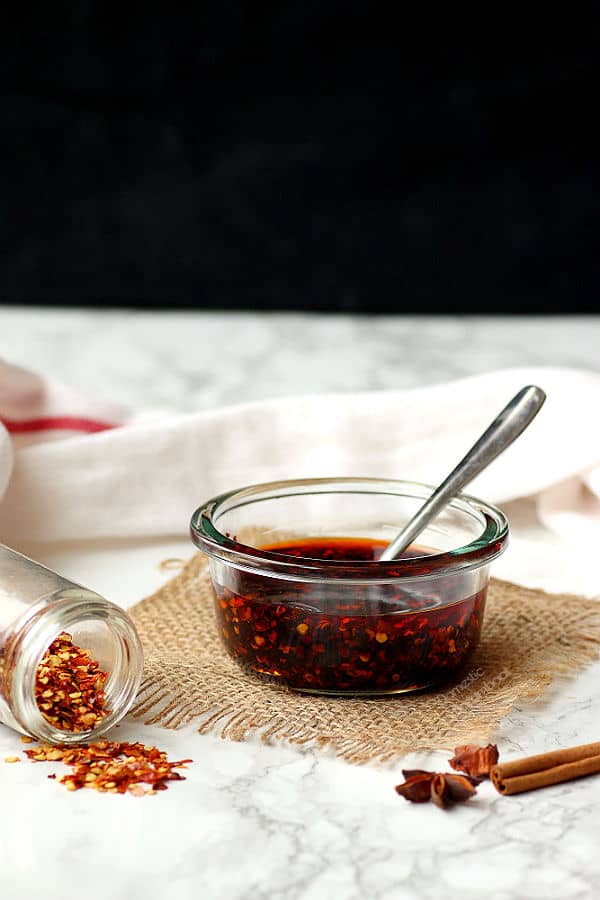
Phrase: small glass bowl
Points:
(351, 625)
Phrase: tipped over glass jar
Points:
(302, 599)
(71, 662)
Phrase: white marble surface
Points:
(269, 822)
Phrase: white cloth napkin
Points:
(75, 470)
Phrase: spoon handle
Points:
(506, 427)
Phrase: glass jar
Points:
(300, 596)
(36, 605)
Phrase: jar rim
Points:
(35, 633)
(490, 543)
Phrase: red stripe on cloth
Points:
(56, 423)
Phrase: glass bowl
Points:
(301, 599)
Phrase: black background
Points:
(292, 156)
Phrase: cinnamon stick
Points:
(546, 768)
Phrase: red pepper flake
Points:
(114, 767)
(474, 760)
(444, 789)
(69, 687)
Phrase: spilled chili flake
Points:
(69, 686)
(69, 690)
(353, 637)
(115, 767)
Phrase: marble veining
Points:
(255, 822)
(192, 361)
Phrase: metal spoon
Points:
(506, 427)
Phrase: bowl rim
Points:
(479, 552)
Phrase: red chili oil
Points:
(332, 637)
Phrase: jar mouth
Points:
(489, 543)
(42, 627)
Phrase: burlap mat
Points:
(529, 639)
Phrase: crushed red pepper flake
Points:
(113, 767)
(444, 789)
(474, 760)
(69, 687)
(69, 690)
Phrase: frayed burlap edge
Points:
(530, 638)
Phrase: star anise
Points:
(417, 785)
(475, 761)
(449, 789)
(444, 789)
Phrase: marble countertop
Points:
(271, 823)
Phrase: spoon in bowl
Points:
(506, 428)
